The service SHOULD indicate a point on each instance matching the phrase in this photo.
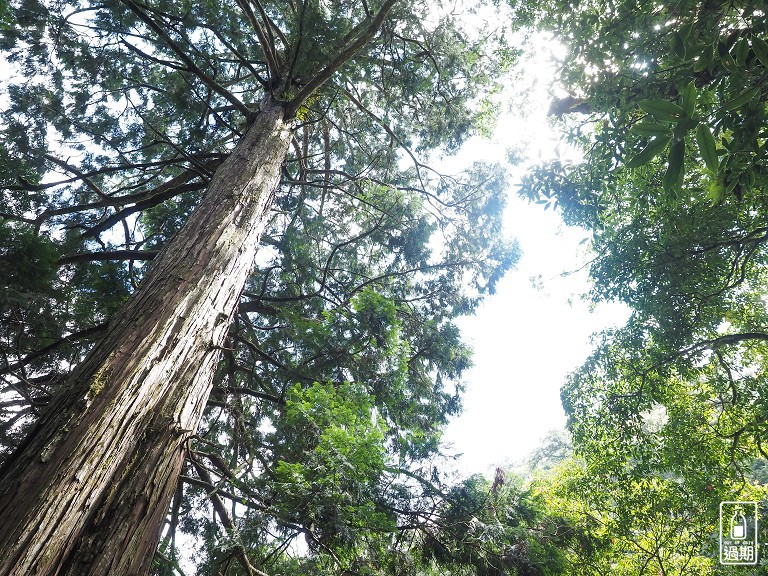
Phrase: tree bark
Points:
(87, 492)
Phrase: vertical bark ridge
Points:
(88, 492)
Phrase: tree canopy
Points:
(667, 102)
(343, 363)
(319, 447)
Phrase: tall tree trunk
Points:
(88, 491)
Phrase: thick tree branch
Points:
(344, 55)
(251, 392)
(728, 339)
(181, 53)
(156, 198)
(95, 330)
(273, 63)
(271, 26)
(146, 199)
(112, 255)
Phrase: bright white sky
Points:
(526, 338)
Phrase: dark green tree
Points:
(183, 133)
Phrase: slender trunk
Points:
(88, 491)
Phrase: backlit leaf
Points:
(689, 99)
(662, 109)
(707, 147)
(674, 174)
(760, 48)
(652, 149)
(651, 129)
(677, 44)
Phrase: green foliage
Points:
(6, 16)
(690, 67)
(116, 117)
(498, 527)
(27, 259)
(379, 335)
(621, 518)
(627, 525)
(378, 317)
(330, 464)
(668, 412)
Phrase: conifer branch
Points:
(343, 56)
(271, 26)
(273, 63)
(179, 51)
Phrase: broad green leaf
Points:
(760, 48)
(747, 179)
(651, 129)
(677, 44)
(715, 191)
(685, 32)
(705, 58)
(683, 126)
(742, 99)
(728, 63)
(674, 175)
(652, 149)
(689, 99)
(662, 109)
(707, 147)
(740, 51)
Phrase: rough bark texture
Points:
(88, 491)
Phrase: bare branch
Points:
(93, 331)
(112, 255)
